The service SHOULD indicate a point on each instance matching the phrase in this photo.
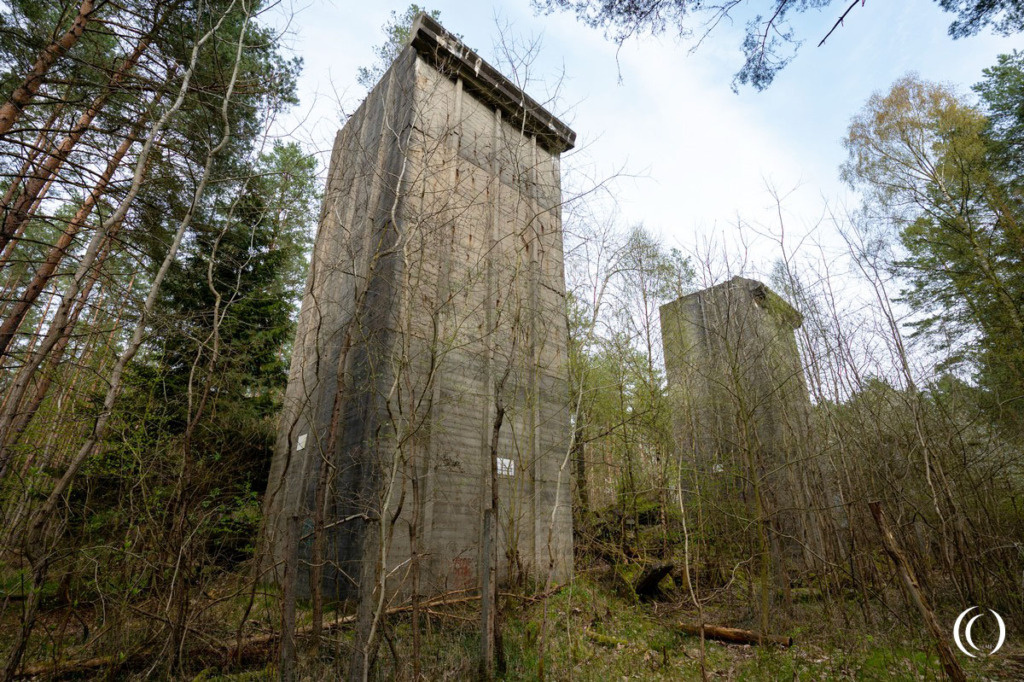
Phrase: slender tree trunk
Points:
(316, 567)
(287, 660)
(364, 644)
(40, 565)
(59, 250)
(180, 501)
(415, 568)
(490, 627)
(579, 458)
(913, 590)
(47, 512)
(13, 108)
(690, 586)
(35, 189)
(59, 323)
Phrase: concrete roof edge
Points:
(451, 56)
(749, 284)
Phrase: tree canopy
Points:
(770, 43)
(941, 173)
(396, 35)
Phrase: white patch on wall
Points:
(506, 467)
(301, 444)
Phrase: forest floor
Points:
(599, 635)
(593, 629)
(596, 633)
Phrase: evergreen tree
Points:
(922, 158)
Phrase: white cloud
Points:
(706, 151)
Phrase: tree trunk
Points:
(364, 644)
(488, 595)
(490, 625)
(734, 635)
(913, 589)
(579, 458)
(291, 575)
(13, 108)
(57, 252)
(38, 183)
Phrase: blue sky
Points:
(702, 153)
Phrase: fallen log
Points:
(735, 635)
(70, 667)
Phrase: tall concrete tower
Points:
(742, 413)
(431, 345)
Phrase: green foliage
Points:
(168, 500)
(396, 36)
(1002, 95)
(769, 43)
(217, 368)
(245, 264)
(1003, 16)
(622, 441)
(922, 157)
(629, 403)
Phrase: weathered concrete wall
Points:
(742, 407)
(349, 302)
(436, 293)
